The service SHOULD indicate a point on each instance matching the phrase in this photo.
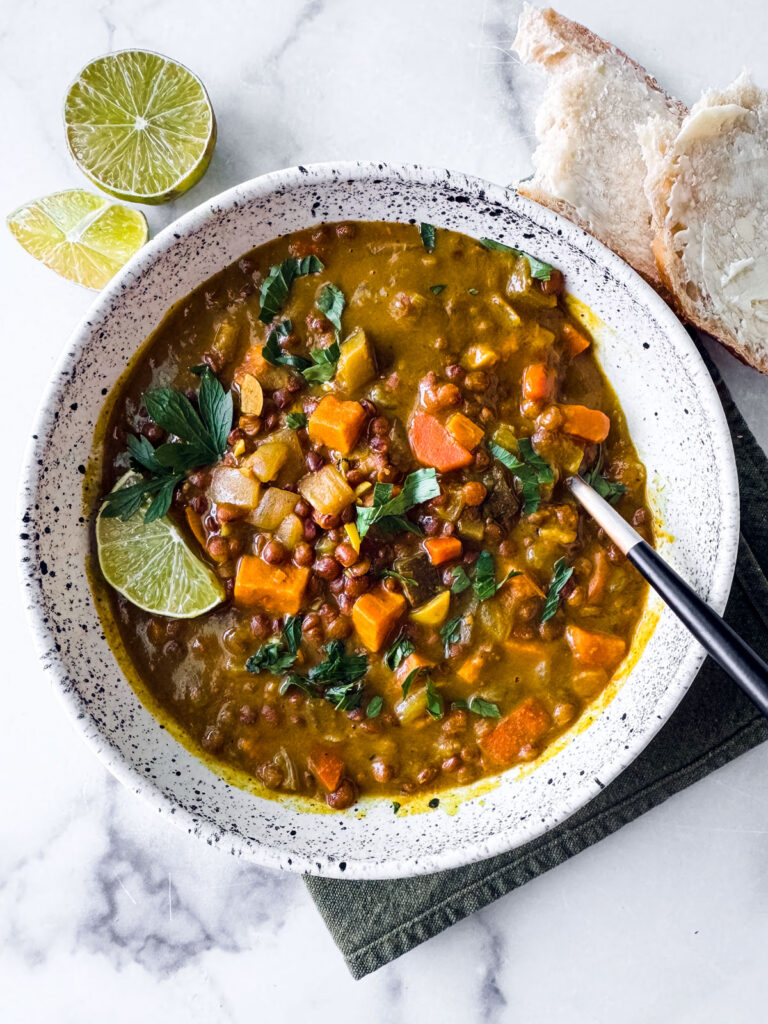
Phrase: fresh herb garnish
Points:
(484, 583)
(562, 572)
(396, 806)
(278, 655)
(399, 651)
(460, 580)
(387, 513)
(427, 232)
(437, 288)
(331, 302)
(450, 633)
(435, 703)
(277, 357)
(278, 281)
(484, 708)
(611, 490)
(202, 439)
(296, 420)
(325, 361)
(540, 270)
(408, 681)
(338, 679)
(530, 473)
(375, 704)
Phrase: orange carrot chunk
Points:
(576, 341)
(276, 588)
(595, 650)
(434, 446)
(587, 424)
(523, 726)
(462, 429)
(407, 666)
(538, 382)
(336, 424)
(442, 549)
(327, 767)
(375, 615)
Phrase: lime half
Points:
(80, 235)
(140, 126)
(153, 566)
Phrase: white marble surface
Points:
(106, 912)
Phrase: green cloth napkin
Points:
(375, 922)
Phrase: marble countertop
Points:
(107, 912)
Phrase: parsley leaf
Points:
(427, 232)
(530, 474)
(435, 703)
(325, 361)
(278, 655)
(484, 708)
(338, 679)
(386, 512)
(484, 583)
(374, 707)
(460, 580)
(437, 288)
(611, 490)
(202, 440)
(296, 420)
(277, 357)
(331, 302)
(562, 572)
(399, 651)
(396, 806)
(277, 283)
(408, 681)
(450, 633)
(539, 270)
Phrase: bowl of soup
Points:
(297, 545)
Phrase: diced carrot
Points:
(575, 340)
(336, 424)
(523, 726)
(462, 429)
(538, 382)
(471, 669)
(327, 766)
(434, 446)
(375, 615)
(442, 549)
(195, 524)
(255, 365)
(276, 588)
(595, 650)
(587, 424)
(408, 664)
(599, 578)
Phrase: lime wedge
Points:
(79, 235)
(140, 126)
(153, 566)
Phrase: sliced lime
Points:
(80, 235)
(153, 566)
(140, 126)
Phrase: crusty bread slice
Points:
(589, 164)
(708, 191)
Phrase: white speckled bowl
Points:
(675, 419)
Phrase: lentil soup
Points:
(410, 598)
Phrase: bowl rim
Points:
(149, 789)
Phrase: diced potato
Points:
(477, 356)
(327, 491)
(471, 529)
(494, 619)
(251, 396)
(273, 508)
(357, 363)
(225, 340)
(434, 612)
(267, 461)
(291, 531)
(504, 435)
(412, 706)
(229, 486)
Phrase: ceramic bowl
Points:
(674, 416)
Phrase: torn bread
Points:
(708, 192)
(589, 163)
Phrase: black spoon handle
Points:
(717, 638)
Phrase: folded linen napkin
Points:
(375, 922)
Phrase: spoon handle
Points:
(717, 638)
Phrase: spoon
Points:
(717, 638)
